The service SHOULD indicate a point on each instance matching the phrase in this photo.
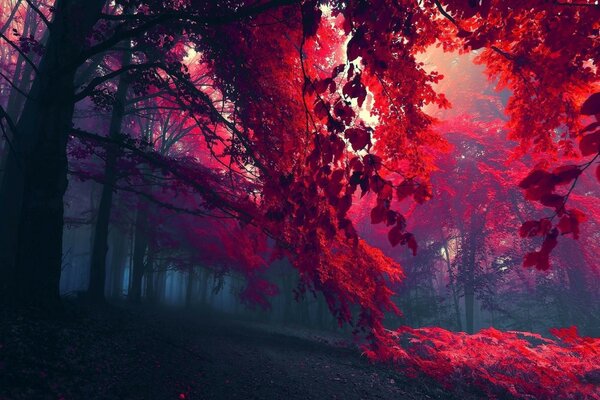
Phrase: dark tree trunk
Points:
(100, 246)
(204, 275)
(470, 287)
(150, 287)
(190, 288)
(139, 252)
(117, 263)
(151, 293)
(35, 177)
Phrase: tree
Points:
(294, 126)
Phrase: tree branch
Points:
(445, 14)
(40, 14)
(10, 18)
(183, 16)
(12, 84)
(21, 52)
(94, 83)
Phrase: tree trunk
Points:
(204, 286)
(469, 283)
(190, 288)
(117, 263)
(139, 251)
(150, 288)
(100, 246)
(452, 282)
(469, 278)
(35, 176)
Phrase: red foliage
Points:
(499, 364)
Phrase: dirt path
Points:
(122, 354)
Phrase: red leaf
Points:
(344, 112)
(372, 162)
(321, 109)
(598, 173)
(322, 84)
(568, 335)
(359, 138)
(391, 217)
(529, 229)
(543, 263)
(378, 214)
(395, 236)
(422, 194)
(405, 189)
(534, 177)
(590, 144)
(386, 192)
(538, 184)
(377, 183)
(565, 225)
(549, 243)
(552, 200)
(592, 105)
(566, 174)
(356, 90)
(531, 259)
(578, 215)
(569, 223)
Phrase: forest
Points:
(300, 199)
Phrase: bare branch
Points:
(40, 14)
(182, 16)
(89, 89)
(12, 84)
(10, 18)
(21, 52)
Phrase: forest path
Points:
(116, 353)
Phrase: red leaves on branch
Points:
(397, 236)
(569, 222)
(405, 189)
(535, 228)
(537, 184)
(565, 174)
(355, 89)
(540, 185)
(541, 259)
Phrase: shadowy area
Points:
(117, 352)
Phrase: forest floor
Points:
(118, 352)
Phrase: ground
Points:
(117, 352)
